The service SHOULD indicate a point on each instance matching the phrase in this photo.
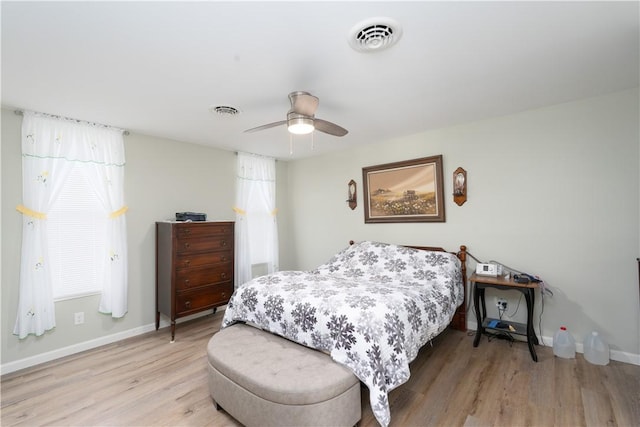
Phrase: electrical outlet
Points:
(78, 318)
(501, 303)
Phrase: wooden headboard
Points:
(459, 320)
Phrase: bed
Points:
(371, 307)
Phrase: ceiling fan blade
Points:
(303, 103)
(330, 128)
(267, 126)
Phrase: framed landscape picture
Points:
(408, 191)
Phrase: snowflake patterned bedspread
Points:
(371, 307)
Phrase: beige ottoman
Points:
(265, 380)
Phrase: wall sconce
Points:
(460, 186)
(353, 196)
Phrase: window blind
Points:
(76, 229)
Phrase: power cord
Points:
(540, 319)
(502, 335)
(510, 316)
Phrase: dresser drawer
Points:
(204, 244)
(188, 260)
(200, 276)
(188, 229)
(203, 298)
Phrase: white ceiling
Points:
(157, 67)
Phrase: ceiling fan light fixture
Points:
(300, 125)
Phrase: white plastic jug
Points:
(596, 351)
(563, 344)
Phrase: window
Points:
(256, 226)
(260, 224)
(76, 232)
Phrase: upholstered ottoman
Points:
(265, 380)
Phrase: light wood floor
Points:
(146, 381)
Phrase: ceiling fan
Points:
(301, 118)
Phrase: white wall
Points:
(553, 192)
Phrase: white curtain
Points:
(256, 239)
(50, 146)
(107, 180)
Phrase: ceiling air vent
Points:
(374, 34)
(224, 110)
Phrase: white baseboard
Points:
(28, 362)
(620, 356)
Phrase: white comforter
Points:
(371, 307)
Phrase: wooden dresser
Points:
(194, 268)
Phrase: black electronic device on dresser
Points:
(194, 267)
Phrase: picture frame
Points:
(406, 191)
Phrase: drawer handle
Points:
(186, 282)
(223, 275)
(187, 230)
(187, 304)
(187, 262)
(223, 243)
(224, 295)
(187, 245)
(224, 258)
